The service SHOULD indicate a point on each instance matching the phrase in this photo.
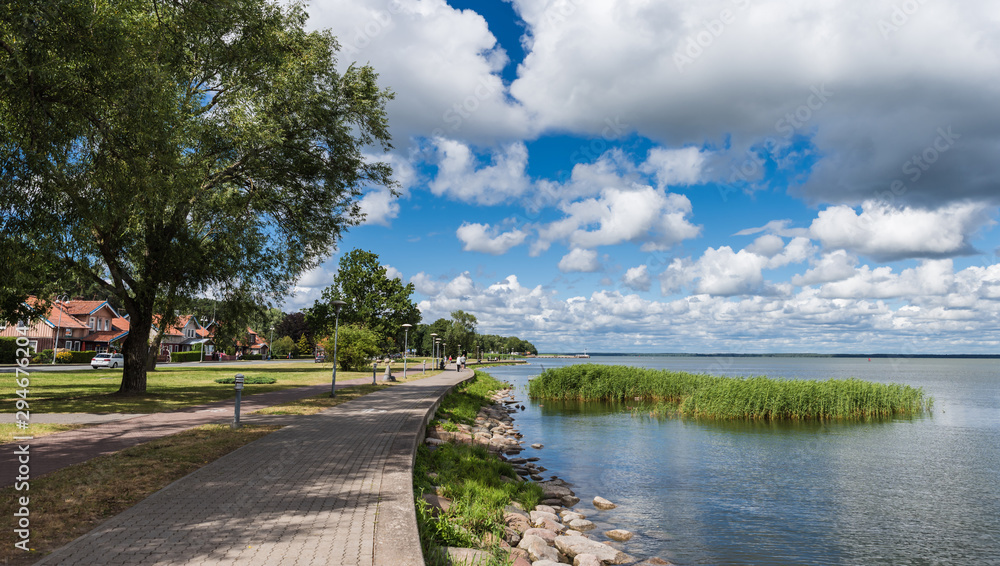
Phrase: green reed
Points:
(720, 397)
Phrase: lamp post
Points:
(444, 350)
(270, 345)
(406, 345)
(437, 351)
(55, 346)
(434, 349)
(337, 305)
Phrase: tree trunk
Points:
(136, 350)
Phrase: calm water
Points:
(908, 491)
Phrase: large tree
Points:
(374, 300)
(162, 148)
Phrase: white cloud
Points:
(643, 215)
(458, 176)
(637, 278)
(767, 245)
(834, 266)
(579, 260)
(675, 166)
(724, 273)
(425, 284)
(483, 238)
(885, 233)
(930, 278)
(393, 273)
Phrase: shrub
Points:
(248, 380)
(8, 348)
(185, 356)
(251, 357)
(82, 357)
(64, 357)
(43, 357)
(282, 346)
(355, 346)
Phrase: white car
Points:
(107, 361)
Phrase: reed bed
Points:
(720, 397)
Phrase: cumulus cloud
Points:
(824, 71)
(393, 273)
(410, 41)
(888, 233)
(675, 166)
(642, 215)
(579, 261)
(458, 176)
(637, 278)
(833, 266)
(483, 238)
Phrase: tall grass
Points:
(719, 397)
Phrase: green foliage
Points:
(82, 357)
(177, 148)
(373, 299)
(472, 479)
(282, 346)
(303, 347)
(64, 357)
(251, 357)
(8, 350)
(711, 396)
(248, 380)
(356, 346)
(192, 356)
(463, 403)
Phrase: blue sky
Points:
(714, 176)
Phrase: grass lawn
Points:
(67, 503)
(168, 388)
(9, 431)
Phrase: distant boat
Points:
(583, 355)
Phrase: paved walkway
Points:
(335, 488)
(56, 451)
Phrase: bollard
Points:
(239, 393)
(374, 369)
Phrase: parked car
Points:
(320, 358)
(108, 360)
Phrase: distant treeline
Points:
(733, 355)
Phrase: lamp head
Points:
(337, 305)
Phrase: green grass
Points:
(168, 388)
(463, 404)
(9, 431)
(718, 397)
(471, 478)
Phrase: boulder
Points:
(654, 561)
(517, 522)
(545, 509)
(552, 490)
(602, 503)
(540, 515)
(433, 441)
(545, 534)
(550, 525)
(618, 534)
(537, 446)
(568, 516)
(587, 560)
(538, 549)
(569, 500)
(438, 504)
(581, 525)
(575, 545)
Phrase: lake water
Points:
(907, 491)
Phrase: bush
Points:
(282, 346)
(43, 357)
(250, 357)
(82, 357)
(185, 356)
(8, 348)
(356, 345)
(64, 357)
(248, 380)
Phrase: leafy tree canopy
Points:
(161, 148)
(373, 299)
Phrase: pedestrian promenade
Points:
(334, 488)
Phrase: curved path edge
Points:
(333, 488)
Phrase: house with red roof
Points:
(73, 325)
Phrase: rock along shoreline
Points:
(552, 533)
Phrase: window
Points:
(69, 332)
(107, 324)
(91, 323)
(34, 345)
(21, 324)
(77, 344)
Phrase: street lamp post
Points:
(437, 351)
(406, 345)
(337, 305)
(434, 349)
(55, 346)
(270, 345)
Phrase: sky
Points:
(745, 176)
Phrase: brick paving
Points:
(333, 488)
